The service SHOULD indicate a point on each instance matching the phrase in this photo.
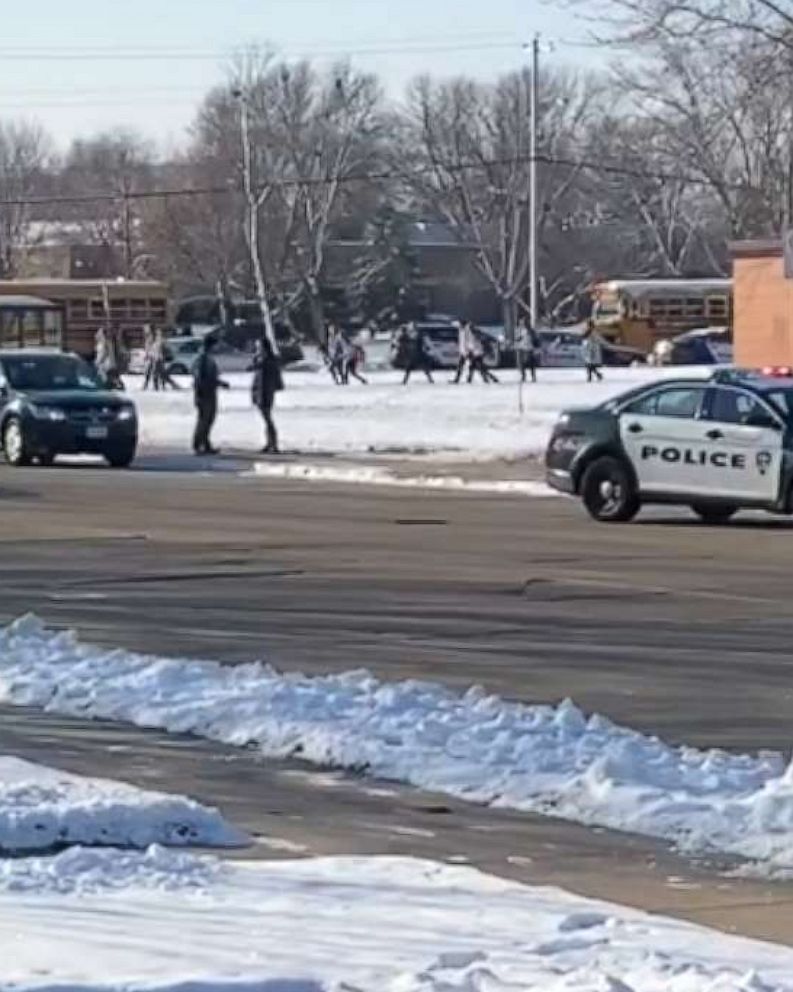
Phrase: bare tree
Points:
(469, 165)
(769, 22)
(307, 138)
(331, 128)
(119, 162)
(24, 156)
(197, 241)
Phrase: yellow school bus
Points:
(638, 313)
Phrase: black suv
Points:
(53, 403)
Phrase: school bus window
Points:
(717, 307)
(97, 309)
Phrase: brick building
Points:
(762, 304)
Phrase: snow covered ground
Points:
(551, 760)
(475, 422)
(42, 808)
(375, 475)
(91, 921)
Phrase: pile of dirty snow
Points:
(544, 759)
(43, 808)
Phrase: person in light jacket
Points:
(463, 349)
(527, 346)
(592, 353)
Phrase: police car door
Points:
(746, 437)
(663, 436)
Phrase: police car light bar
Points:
(767, 372)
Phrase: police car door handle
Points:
(635, 428)
(715, 434)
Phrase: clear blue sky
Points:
(77, 95)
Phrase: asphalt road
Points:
(665, 625)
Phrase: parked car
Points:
(238, 321)
(181, 354)
(560, 349)
(56, 403)
(440, 341)
(499, 352)
(704, 346)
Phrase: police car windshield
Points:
(49, 372)
(783, 401)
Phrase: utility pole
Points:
(254, 200)
(533, 212)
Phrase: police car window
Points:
(644, 406)
(683, 402)
(732, 406)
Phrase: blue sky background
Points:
(70, 94)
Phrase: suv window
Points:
(733, 406)
(683, 401)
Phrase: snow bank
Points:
(41, 808)
(476, 422)
(477, 747)
(368, 475)
(81, 870)
(373, 925)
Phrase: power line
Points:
(601, 168)
(423, 47)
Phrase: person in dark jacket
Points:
(267, 381)
(476, 359)
(417, 355)
(206, 382)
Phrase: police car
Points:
(716, 445)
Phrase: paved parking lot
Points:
(664, 625)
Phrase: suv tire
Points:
(120, 457)
(15, 444)
(609, 492)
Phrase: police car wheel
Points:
(608, 491)
(714, 513)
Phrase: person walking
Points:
(356, 357)
(463, 349)
(267, 381)
(149, 378)
(417, 357)
(476, 362)
(162, 373)
(592, 353)
(106, 358)
(527, 346)
(337, 350)
(206, 382)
